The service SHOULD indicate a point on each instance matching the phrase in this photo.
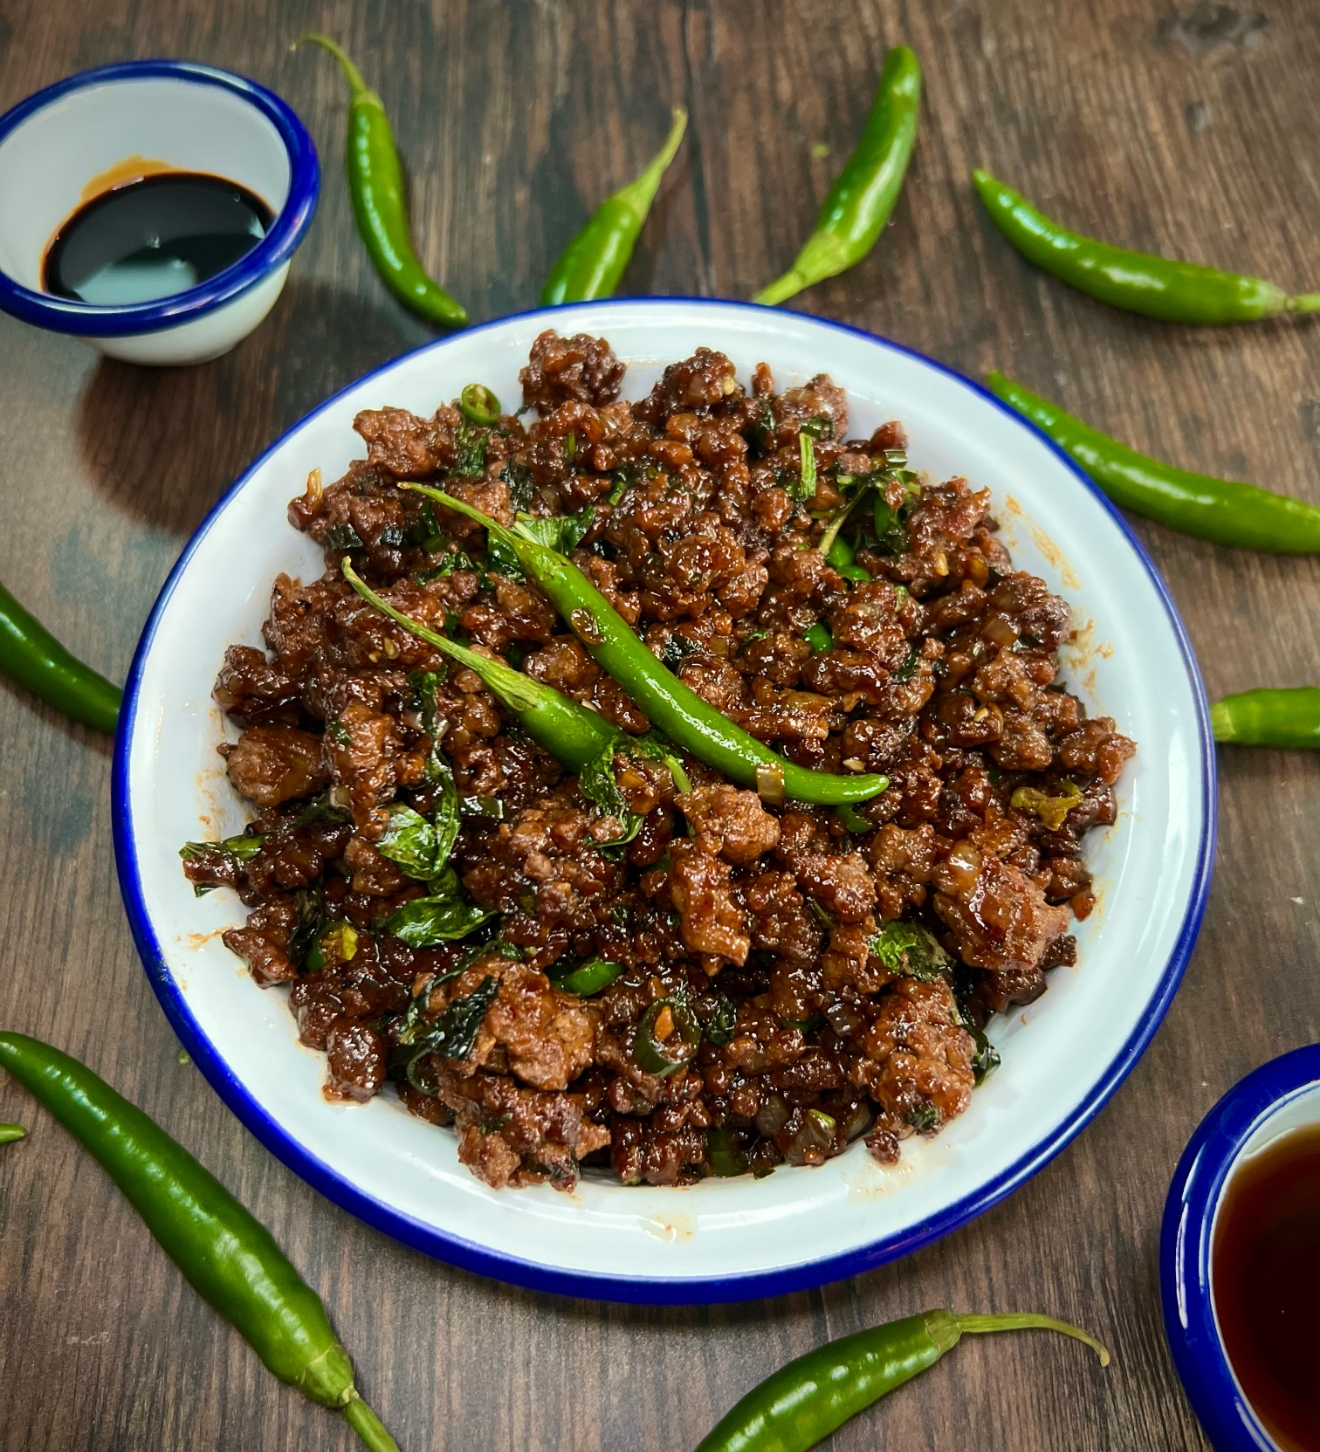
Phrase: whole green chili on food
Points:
(572, 734)
(32, 656)
(594, 261)
(1223, 510)
(10, 1132)
(691, 723)
(375, 187)
(1287, 716)
(859, 203)
(803, 1402)
(227, 1256)
(1174, 292)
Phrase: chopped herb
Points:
(392, 537)
(482, 809)
(339, 733)
(341, 537)
(445, 817)
(570, 446)
(1052, 811)
(501, 560)
(908, 669)
(410, 841)
(424, 531)
(726, 1159)
(820, 427)
(470, 446)
(925, 1118)
(891, 523)
(804, 486)
(909, 949)
(454, 1034)
(321, 811)
(624, 479)
(805, 1025)
(562, 532)
(676, 650)
(240, 848)
(309, 911)
(719, 1027)
(763, 427)
(521, 482)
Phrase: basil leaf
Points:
(910, 950)
(521, 482)
(501, 560)
(562, 532)
(454, 1034)
(309, 905)
(446, 819)
(719, 1027)
(410, 841)
(427, 921)
(470, 445)
(341, 537)
(596, 782)
(240, 848)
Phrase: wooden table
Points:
(1194, 135)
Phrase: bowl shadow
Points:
(163, 444)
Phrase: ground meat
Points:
(271, 764)
(560, 369)
(434, 888)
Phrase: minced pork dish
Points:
(646, 966)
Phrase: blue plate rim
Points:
(89, 320)
(644, 1290)
(1186, 1244)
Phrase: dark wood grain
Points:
(515, 118)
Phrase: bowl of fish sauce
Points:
(1240, 1261)
(152, 208)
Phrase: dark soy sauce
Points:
(1266, 1277)
(153, 238)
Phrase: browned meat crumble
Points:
(840, 969)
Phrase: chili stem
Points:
(1304, 302)
(357, 86)
(836, 524)
(974, 1325)
(368, 1426)
(10, 1132)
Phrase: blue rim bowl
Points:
(640, 1288)
(88, 320)
(1186, 1243)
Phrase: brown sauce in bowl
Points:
(1266, 1277)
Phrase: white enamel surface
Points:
(1126, 664)
(48, 160)
(199, 339)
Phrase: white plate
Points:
(721, 1239)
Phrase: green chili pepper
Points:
(10, 1132)
(691, 723)
(587, 978)
(1222, 510)
(1281, 717)
(594, 261)
(571, 733)
(32, 656)
(863, 195)
(839, 556)
(853, 820)
(227, 1257)
(479, 405)
(804, 1402)
(665, 1056)
(818, 637)
(1174, 292)
(375, 185)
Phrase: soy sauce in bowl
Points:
(152, 238)
(1266, 1277)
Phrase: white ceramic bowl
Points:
(722, 1239)
(191, 117)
